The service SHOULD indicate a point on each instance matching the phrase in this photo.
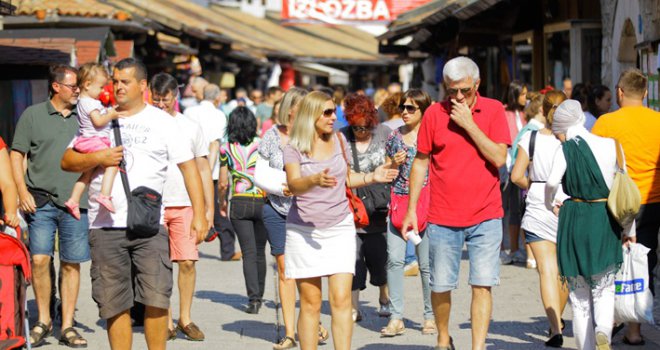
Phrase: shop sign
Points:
(345, 11)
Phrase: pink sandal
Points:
(73, 209)
(106, 202)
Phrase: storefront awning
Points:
(335, 76)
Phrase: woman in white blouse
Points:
(530, 172)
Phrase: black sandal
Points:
(40, 338)
(71, 340)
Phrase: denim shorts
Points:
(531, 237)
(446, 246)
(72, 233)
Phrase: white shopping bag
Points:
(633, 301)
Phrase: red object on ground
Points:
(15, 274)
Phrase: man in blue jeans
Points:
(462, 142)
(42, 135)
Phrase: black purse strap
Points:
(122, 163)
(351, 140)
(532, 144)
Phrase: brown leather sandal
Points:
(40, 337)
(73, 339)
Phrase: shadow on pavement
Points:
(530, 334)
(237, 301)
(251, 329)
(384, 346)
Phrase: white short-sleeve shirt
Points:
(151, 143)
(175, 194)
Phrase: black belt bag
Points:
(41, 197)
(144, 203)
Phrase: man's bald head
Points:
(197, 86)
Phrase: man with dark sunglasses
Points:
(462, 142)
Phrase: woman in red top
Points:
(8, 188)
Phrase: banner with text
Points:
(358, 12)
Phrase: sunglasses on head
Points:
(454, 92)
(408, 108)
(329, 112)
(360, 128)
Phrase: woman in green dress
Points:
(588, 239)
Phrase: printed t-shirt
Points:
(320, 207)
(151, 143)
(175, 194)
(465, 188)
(638, 131)
(241, 161)
(43, 134)
(87, 129)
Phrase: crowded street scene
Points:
(355, 174)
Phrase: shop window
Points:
(558, 64)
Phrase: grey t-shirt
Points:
(44, 134)
(319, 207)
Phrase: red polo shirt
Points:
(465, 186)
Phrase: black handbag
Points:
(144, 203)
(376, 197)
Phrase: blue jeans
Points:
(410, 253)
(446, 247)
(396, 253)
(73, 234)
(276, 226)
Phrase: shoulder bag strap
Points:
(532, 144)
(356, 163)
(122, 163)
(620, 160)
(343, 153)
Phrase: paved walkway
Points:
(518, 317)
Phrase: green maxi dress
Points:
(588, 237)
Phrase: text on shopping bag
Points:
(629, 287)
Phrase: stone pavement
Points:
(518, 317)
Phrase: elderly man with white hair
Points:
(462, 142)
(588, 238)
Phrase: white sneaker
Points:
(505, 259)
(519, 257)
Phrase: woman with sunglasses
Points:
(270, 177)
(320, 231)
(367, 141)
(401, 148)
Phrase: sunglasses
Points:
(408, 108)
(360, 128)
(454, 92)
(329, 112)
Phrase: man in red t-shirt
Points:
(462, 142)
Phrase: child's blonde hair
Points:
(89, 71)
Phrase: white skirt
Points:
(313, 252)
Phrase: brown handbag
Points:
(360, 216)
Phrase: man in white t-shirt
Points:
(151, 143)
(178, 209)
(214, 124)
